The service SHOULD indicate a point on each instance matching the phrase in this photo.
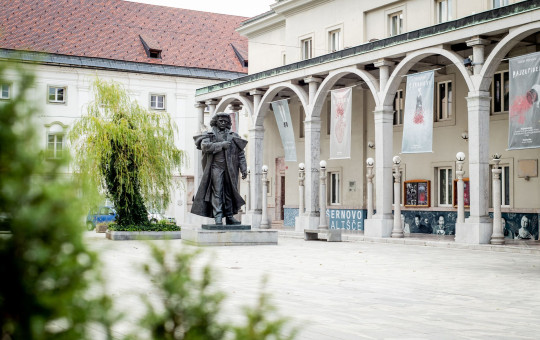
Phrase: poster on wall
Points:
(418, 120)
(285, 127)
(524, 110)
(340, 123)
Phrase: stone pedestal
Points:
(197, 236)
(376, 227)
(330, 235)
(253, 219)
(306, 222)
(477, 232)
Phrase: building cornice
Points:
(390, 42)
(115, 65)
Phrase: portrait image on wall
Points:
(524, 109)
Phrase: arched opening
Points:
(272, 153)
(427, 179)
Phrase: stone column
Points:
(313, 83)
(384, 71)
(312, 136)
(212, 103)
(310, 219)
(255, 146)
(248, 196)
(478, 227)
(322, 197)
(397, 231)
(264, 217)
(301, 178)
(369, 177)
(460, 156)
(257, 95)
(381, 224)
(498, 235)
(197, 167)
(477, 43)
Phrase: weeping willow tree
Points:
(127, 151)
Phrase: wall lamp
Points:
(371, 144)
(465, 135)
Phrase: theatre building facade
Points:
(302, 52)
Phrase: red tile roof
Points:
(111, 28)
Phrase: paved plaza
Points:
(357, 290)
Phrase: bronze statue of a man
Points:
(222, 159)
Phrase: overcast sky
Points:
(245, 8)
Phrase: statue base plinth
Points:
(227, 235)
(225, 227)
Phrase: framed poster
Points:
(466, 192)
(417, 193)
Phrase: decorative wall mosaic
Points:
(288, 216)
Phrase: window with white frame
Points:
(5, 91)
(395, 23)
(157, 101)
(56, 94)
(399, 105)
(505, 185)
(500, 91)
(500, 3)
(334, 187)
(444, 100)
(307, 48)
(444, 11)
(302, 115)
(55, 145)
(334, 40)
(445, 182)
(56, 139)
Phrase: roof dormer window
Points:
(155, 54)
(151, 46)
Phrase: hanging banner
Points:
(524, 110)
(340, 123)
(418, 120)
(284, 123)
(234, 121)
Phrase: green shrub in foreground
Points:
(144, 227)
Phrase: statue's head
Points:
(221, 120)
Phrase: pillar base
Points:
(253, 219)
(378, 227)
(474, 232)
(498, 240)
(306, 222)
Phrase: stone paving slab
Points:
(357, 290)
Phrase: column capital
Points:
(257, 92)
(477, 40)
(211, 102)
(235, 107)
(313, 124)
(383, 62)
(200, 105)
(256, 131)
(313, 79)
